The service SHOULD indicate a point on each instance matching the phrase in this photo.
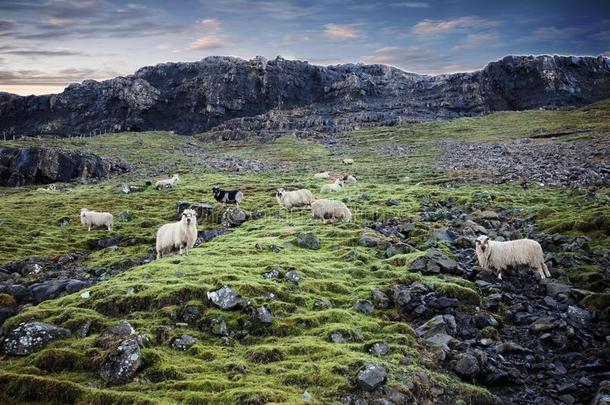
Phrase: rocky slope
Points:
(237, 97)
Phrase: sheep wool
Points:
(92, 219)
(177, 236)
(322, 175)
(501, 255)
(332, 187)
(167, 183)
(348, 161)
(296, 198)
(331, 210)
(350, 179)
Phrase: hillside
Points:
(397, 288)
(239, 98)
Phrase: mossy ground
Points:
(296, 353)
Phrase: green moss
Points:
(7, 300)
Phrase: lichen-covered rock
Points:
(122, 363)
(233, 217)
(371, 377)
(308, 240)
(184, 342)
(226, 298)
(31, 337)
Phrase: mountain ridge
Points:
(236, 98)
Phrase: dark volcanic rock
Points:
(371, 377)
(226, 298)
(236, 97)
(122, 363)
(34, 165)
(31, 337)
(307, 240)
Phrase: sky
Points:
(47, 44)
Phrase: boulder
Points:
(371, 377)
(122, 363)
(184, 342)
(233, 217)
(439, 324)
(308, 241)
(31, 337)
(226, 298)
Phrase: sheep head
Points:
(189, 217)
(482, 243)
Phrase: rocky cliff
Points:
(234, 97)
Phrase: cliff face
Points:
(235, 97)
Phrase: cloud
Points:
(436, 27)
(67, 19)
(7, 50)
(477, 40)
(411, 4)
(208, 42)
(603, 36)
(553, 33)
(60, 77)
(416, 59)
(341, 32)
(211, 24)
(274, 9)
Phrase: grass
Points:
(296, 353)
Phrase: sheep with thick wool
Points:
(296, 198)
(331, 210)
(92, 219)
(350, 179)
(322, 175)
(348, 161)
(167, 183)
(332, 187)
(500, 255)
(177, 236)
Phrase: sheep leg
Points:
(89, 228)
(546, 270)
(541, 272)
(499, 273)
(186, 250)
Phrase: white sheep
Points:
(296, 198)
(348, 161)
(167, 183)
(92, 218)
(48, 189)
(331, 210)
(500, 255)
(332, 187)
(177, 236)
(322, 175)
(350, 179)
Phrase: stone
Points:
(31, 337)
(483, 320)
(122, 363)
(368, 241)
(579, 315)
(308, 241)
(543, 324)
(371, 377)
(233, 217)
(440, 339)
(467, 366)
(219, 326)
(401, 295)
(125, 216)
(293, 276)
(364, 306)
(555, 288)
(379, 349)
(191, 314)
(439, 324)
(226, 298)
(184, 342)
(380, 299)
(337, 337)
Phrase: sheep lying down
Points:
(92, 219)
(498, 256)
(177, 236)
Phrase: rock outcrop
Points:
(237, 98)
(35, 165)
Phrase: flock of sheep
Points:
(181, 236)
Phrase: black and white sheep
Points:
(228, 196)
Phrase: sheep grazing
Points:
(48, 189)
(296, 198)
(228, 196)
(500, 255)
(349, 179)
(332, 187)
(322, 175)
(178, 236)
(92, 219)
(348, 161)
(331, 210)
(167, 183)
